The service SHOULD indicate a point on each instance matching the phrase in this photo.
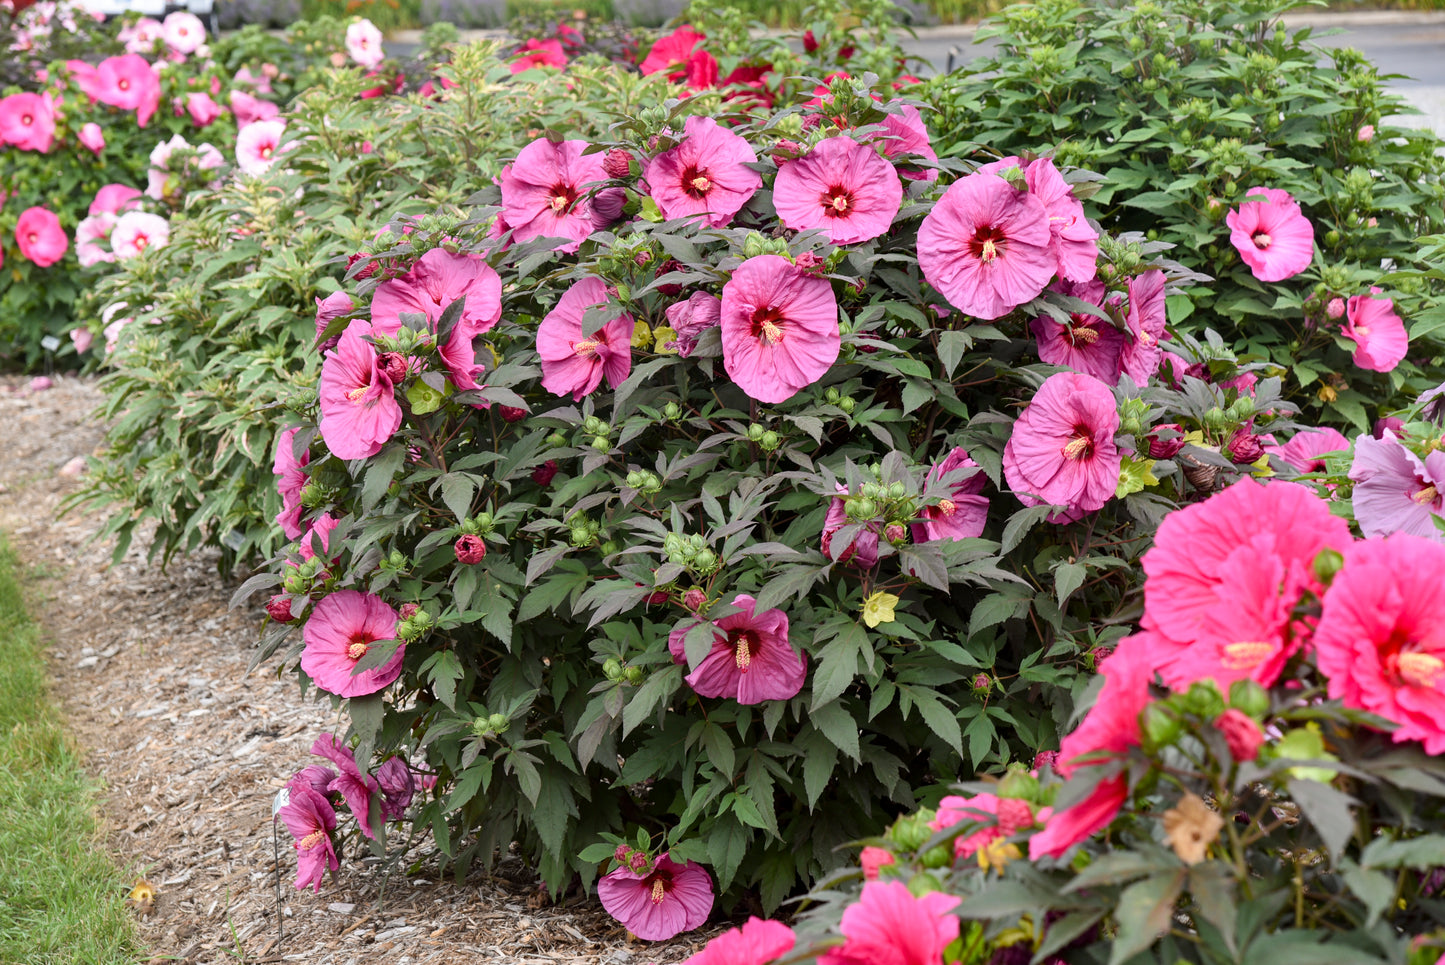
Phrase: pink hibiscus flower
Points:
(129, 83)
(779, 328)
(202, 107)
(888, 926)
(539, 53)
(1078, 823)
(88, 237)
(310, 819)
(339, 632)
(328, 309)
(40, 237)
(258, 144)
(705, 174)
(757, 942)
(1273, 237)
(1378, 333)
(27, 122)
(183, 32)
(986, 246)
(91, 137)
(669, 899)
(750, 661)
(1380, 641)
(1087, 343)
(135, 232)
(690, 318)
(1304, 449)
(398, 785)
(356, 788)
(359, 411)
(114, 198)
(845, 189)
(438, 279)
(1395, 490)
(905, 134)
(1141, 355)
(999, 817)
(960, 515)
(291, 478)
(1061, 451)
(249, 109)
(1075, 243)
(544, 192)
(672, 51)
(573, 362)
(364, 43)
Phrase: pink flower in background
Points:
(873, 860)
(250, 109)
(141, 37)
(1241, 734)
(1304, 449)
(779, 328)
(315, 539)
(1072, 825)
(258, 144)
(359, 411)
(27, 122)
(291, 478)
(260, 83)
(544, 192)
(1365, 134)
(203, 109)
(317, 777)
(960, 515)
(1061, 451)
(1378, 333)
(1087, 343)
(986, 246)
(905, 134)
(81, 338)
(364, 43)
(889, 926)
(136, 231)
(330, 308)
(1273, 236)
(310, 819)
(114, 198)
(862, 551)
(704, 174)
(845, 189)
(690, 318)
(539, 53)
(1075, 243)
(574, 363)
(397, 787)
(1395, 490)
(434, 282)
(183, 32)
(88, 235)
(757, 942)
(674, 50)
(750, 661)
(85, 78)
(1141, 355)
(1380, 641)
(40, 237)
(356, 787)
(670, 899)
(339, 632)
(129, 83)
(91, 137)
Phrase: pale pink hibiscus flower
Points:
(1086, 343)
(136, 232)
(1061, 451)
(114, 198)
(845, 189)
(905, 134)
(203, 108)
(258, 144)
(986, 246)
(183, 32)
(757, 942)
(750, 661)
(1304, 449)
(310, 819)
(364, 43)
(573, 362)
(339, 632)
(1075, 243)
(1395, 490)
(40, 237)
(963, 513)
(27, 122)
(1378, 333)
(89, 236)
(544, 192)
(128, 82)
(705, 174)
(357, 788)
(1273, 236)
(141, 37)
(291, 478)
(249, 109)
(359, 411)
(91, 137)
(1141, 355)
(668, 900)
(889, 926)
(779, 328)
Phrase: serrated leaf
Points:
(1144, 912)
(655, 690)
(1328, 810)
(836, 724)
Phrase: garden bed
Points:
(150, 667)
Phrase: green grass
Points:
(61, 897)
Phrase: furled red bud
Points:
(279, 608)
(408, 610)
(391, 365)
(1160, 448)
(1244, 446)
(1014, 815)
(617, 163)
(621, 854)
(1241, 733)
(1335, 308)
(810, 44)
(639, 863)
(809, 262)
(470, 549)
(786, 150)
(694, 598)
(873, 859)
(366, 272)
(1045, 759)
(897, 534)
(671, 264)
(543, 474)
(511, 413)
(982, 683)
(845, 53)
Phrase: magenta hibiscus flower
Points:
(1273, 237)
(1395, 490)
(310, 819)
(1378, 333)
(539, 53)
(670, 899)
(128, 82)
(779, 328)
(27, 122)
(1062, 451)
(960, 515)
(1380, 641)
(339, 632)
(437, 279)
(1304, 450)
(889, 926)
(397, 785)
(674, 50)
(544, 192)
(1074, 241)
(998, 817)
(291, 478)
(757, 942)
(845, 189)
(357, 788)
(1141, 355)
(986, 246)
(359, 411)
(1086, 343)
(706, 174)
(40, 237)
(905, 134)
(750, 661)
(574, 363)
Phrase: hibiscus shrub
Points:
(1191, 107)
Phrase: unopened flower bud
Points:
(770, 440)
(668, 266)
(408, 610)
(498, 722)
(896, 533)
(470, 549)
(1045, 759)
(846, 404)
(612, 668)
(1336, 308)
(617, 163)
(543, 474)
(786, 150)
(873, 860)
(1162, 448)
(809, 262)
(1203, 699)
(672, 412)
(511, 413)
(278, 608)
(639, 863)
(694, 599)
(1244, 446)
(1241, 733)
(601, 444)
(556, 440)
(755, 432)
(621, 854)
(1159, 726)
(982, 683)
(633, 675)
(1248, 697)
(937, 857)
(1365, 134)
(1390, 423)
(391, 365)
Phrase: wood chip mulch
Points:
(190, 751)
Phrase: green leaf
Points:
(1144, 912)
(468, 784)
(446, 670)
(597, 852)
(1374, 888)
(379, 472)
(655, 691)
(457, 490)
(937, 716)
(837, 665)
(1068, 577)
(952, 345)
(836, 724)
(1019, 524)
(1211, 883)
(1328, 810)
(366, 713)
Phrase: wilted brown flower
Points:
(1191, 827)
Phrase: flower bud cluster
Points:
(644, 481)
(833, 397)
(766, 439)
(414, 624)
(692, 552)
(599, 431)
(614, 670)
(488, 725)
